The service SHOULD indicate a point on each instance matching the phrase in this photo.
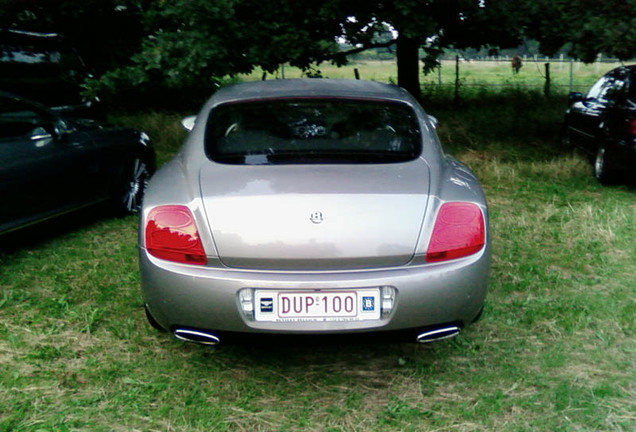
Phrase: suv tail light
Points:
(458, 232)
(631, 129)
(171, 234)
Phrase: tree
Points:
(426, 24)
(188, 46)
(591, 26)
(195, 42)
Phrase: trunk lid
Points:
(315, 217)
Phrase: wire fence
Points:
(550, 75)
(458, 74)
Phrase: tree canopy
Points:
(143, 45)
(592, 27)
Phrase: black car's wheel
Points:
(602, 170)
(131, 186)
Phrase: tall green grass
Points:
(164, 129)
(554, 351)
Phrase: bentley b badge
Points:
(316, 217)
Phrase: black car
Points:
(604, 123)
(45, 68)
(50, 165)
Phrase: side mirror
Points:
(575, 97)
(57, 129)
(188, 123)
(40, 134)
(433, 121)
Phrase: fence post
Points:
(439, 74)
(571, 74)
(546, 88)
(456, 78)
(356, 73)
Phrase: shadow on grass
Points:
(513, 126)
(373, 352)
(43, 232)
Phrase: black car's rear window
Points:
(312, 131)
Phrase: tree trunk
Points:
(408, 64)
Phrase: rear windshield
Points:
(312, 131)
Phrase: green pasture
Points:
(554, 351)
(494, 75)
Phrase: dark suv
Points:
(41, 67)
(604, 123)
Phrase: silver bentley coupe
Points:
(313, 207)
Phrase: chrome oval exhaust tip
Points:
(438, 334)
(197, 336)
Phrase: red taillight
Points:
(458, 232)
(631, 129)
(171, 234)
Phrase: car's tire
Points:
(152, 321)
(131, 184)
(602, 169)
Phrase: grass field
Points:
(494, 75)
(555, 350)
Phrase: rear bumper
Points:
(182, 296)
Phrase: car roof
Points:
(27, 34)
(29, 38)
(311, 87)
(623, 68)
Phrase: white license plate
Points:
(296, 306)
